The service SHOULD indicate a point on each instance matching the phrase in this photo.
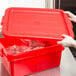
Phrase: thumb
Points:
(66, 36)
(59, 42)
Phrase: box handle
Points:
(2, 20)
(1, 52)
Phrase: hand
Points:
(67, 41)
(71, 16)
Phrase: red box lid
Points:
(36, 23)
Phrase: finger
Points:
(59, 42)
(67, 13)
(65, 35)
(70, 14)
(74, 20)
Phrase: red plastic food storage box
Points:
(35, 24)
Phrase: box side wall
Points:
(36, 64)
(6, 64)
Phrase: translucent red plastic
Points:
(45, 25)
(36, 23)
(30, 61)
